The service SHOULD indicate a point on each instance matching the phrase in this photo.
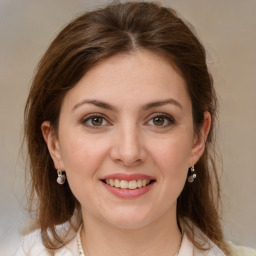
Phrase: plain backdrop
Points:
(227, 28)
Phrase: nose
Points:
(128, 147)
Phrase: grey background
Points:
(226, 28)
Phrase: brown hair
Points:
(85, 41)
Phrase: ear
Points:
(52, 144)
(200, 139)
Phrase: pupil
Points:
(158, 121)
(97, 121)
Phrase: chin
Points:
(127, 219)
(128, 224)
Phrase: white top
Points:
(32, 246)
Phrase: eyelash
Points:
(169, 119)
(90, 117)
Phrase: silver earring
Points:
(61, 177)
(192, 176)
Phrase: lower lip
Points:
(128, 193)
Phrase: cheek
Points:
(172, 159)
(174, 151)
(82, 155)
(81, 158)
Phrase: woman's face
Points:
(126, 140)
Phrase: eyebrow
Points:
(108, 106)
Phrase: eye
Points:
(161, 120)
(94, 121)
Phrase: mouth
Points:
(128, 185)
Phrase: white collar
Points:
(187, 248)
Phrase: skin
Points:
(128, 140)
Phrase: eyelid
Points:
(86, 118)
(169, 118)
(90, 116)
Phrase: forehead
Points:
(136, 77)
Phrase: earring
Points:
(61, 177)
(192, 176)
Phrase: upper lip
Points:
(128, 177)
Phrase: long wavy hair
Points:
(92, 37)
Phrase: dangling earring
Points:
(192, 176)
(61, 177)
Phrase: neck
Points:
(162, 237)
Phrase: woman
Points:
(121, 112)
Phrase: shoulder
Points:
(214, 250)
(32, 245)
(241, 250)
(187, 247)
(208, 248)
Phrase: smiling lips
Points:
(128, 186)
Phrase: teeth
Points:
(111, 183)
(124, 184)
(139, 183)
(117, 183)
(132, 184)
